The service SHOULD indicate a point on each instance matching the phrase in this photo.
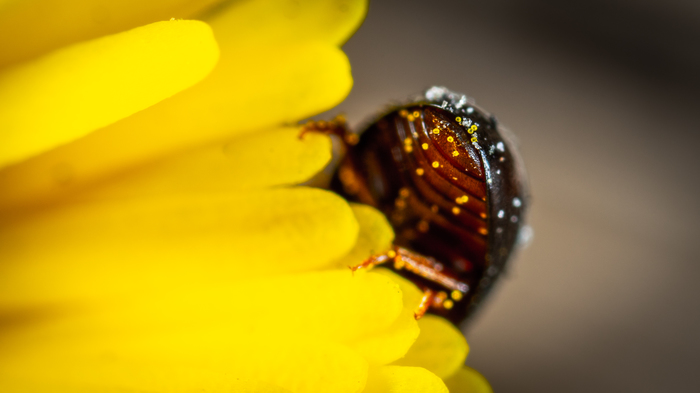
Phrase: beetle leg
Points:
(425, 303)
(429, 269)
(338, 126)
(375, 260)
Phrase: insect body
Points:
(453, 189)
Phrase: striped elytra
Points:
(448, 180)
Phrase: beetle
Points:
(453, 187)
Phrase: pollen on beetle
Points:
(455, 210)
(436, 164)
(455, 153)
(408, 148)
(423, 226)
(420, 171)
(448, 304)
(462, 200)
(424, 146)
(404, 192)
(399, 263)
(483, 231)
(410, 118)
(403, 113)
(391, 254)
(436, 131)
(416, 114)
(459, 119)
(434, 208)
(450, 139)
(456, 295)
(407, 141)
(483, 215)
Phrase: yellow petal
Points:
(31, 27)
(396, 379)
(279, 21)
(468, 380)
(376, 235)
(110, 246)
(187, 363)
(66, 94)
(441, 348)
(252, 161)
(246, 93)
(385, 346)
(411, 294)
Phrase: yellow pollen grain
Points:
(403, 113)
(448, 304)
(450, 139)
(410, 118)
(455, 210)
(459, 119)
(442, 295)
(462, 200)
(400, 203)
(456, 295)
(416, 114)
(399, 263)
(420, 171)
(408, 148)
(455, 153)
(424, 146)
(435, 164)
(434, 208)
(483, 215)
(407, 141)
(483, 231)
(404, 192)
(391, 254)
(474, 139)
(436, 131)
(423, 226)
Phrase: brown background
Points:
(604, 97)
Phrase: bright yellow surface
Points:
(468, 380)
(114, 246)
(31, 27)
(440, 348)
(170, 250)
(65, 95)
(397, 379)
(254, 86)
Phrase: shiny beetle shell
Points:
(451, 184)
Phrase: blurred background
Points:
(604, 96)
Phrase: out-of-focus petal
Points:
(251, 91)
(277, 21)
(468, 380)
(386, 346)
(252, 161)
(112, 246)
(397, 379)
(66, 94)
(440, 348)
(31, 27)
(199, 361)
(376, 235)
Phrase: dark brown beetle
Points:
(454, 190)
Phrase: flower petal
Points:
(468, 380)
(277, 22)
(384, 347)
(397, 379)
(250, 92)
(185, 363)
(252, 161)
(376, 235)
(31, 27)
(66, 94)
(115, 246)
(440, 348)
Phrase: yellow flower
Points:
(152, 237)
